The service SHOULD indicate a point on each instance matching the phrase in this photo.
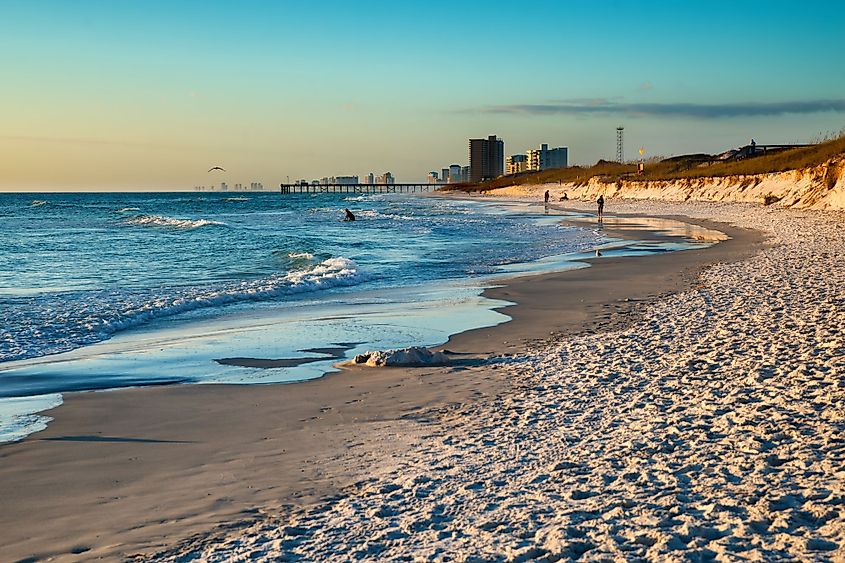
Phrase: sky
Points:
(150, 94)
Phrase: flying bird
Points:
(216, 168)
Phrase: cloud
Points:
(701, 111)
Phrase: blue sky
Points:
(127, 94)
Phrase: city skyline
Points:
(148, 95)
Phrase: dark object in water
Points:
(348, 215)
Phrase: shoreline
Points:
(184, 459)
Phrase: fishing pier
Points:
(355, 188)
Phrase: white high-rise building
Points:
(516, 163)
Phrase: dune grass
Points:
(672, 169)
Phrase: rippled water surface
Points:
(78, 268)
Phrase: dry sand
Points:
(709, 428)
(609, 430)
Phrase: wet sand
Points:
(135, 471)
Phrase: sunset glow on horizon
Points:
(101, 95)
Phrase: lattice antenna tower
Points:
(620, 150)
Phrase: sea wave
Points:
(61, 328)
(128, 209)
(334, 272)
(171, 222)
(38, 203)
(19, 418)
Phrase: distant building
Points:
(545, 158)
(516, 163)
(464, 173)
(386, 179)
(224, 187)
(486, 158)
(557, 157)
(346, 180)
(432, 177)
(444, 175)
(369, 179)
(455, 174)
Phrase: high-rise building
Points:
(455, 173)
(386, 178)
(557, 158)
(464, 173)
(486, 158)
(516, 163)
(444, 175)
(545, 158)
(432, 177)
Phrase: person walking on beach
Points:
(546, 197)
(600, 202)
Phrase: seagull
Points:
(216, 168)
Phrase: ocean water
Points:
(76, 269)
(107, 290)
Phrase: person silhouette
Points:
(600, 202)
(348, 216)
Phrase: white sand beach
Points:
(710, 428)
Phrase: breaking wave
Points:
(54, 327)
(171, 222)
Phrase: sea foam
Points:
(171, 222)
(18, 418)
(334, 272)
(62, 329)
